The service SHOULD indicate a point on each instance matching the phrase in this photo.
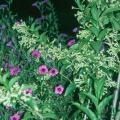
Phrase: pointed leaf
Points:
(49, 115)
(96, 46)
(99, 87)
(27, 116)
(70, 89)
(94, 12)
(115, 24)
(12, 81)
(110, 10)
(94, 30)
(104, 103)
(5, 76)
(92, 98)
(87, 111)
(82, 97)
(102, 34)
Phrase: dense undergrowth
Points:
(45, 74)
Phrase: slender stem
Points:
(88, 104)
(117, 117)
(85, 117)
(116, 94)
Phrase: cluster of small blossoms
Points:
(83, 34)
(47, 51)
(26, 39)
(16, 94)
(42, 70)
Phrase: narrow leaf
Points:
(87, 111)
(102, 34)
(49, 115)
(110, 10)
(12, 81)
(70, 89)
(93, 98)
(99, 87)
(94, 12)
(94, 30)
(104, 103)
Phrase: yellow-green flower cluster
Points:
(14, 95)
(26, 39)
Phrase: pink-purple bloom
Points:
(71, 42)
(27, 91)
(36, 54)
(53, 72)
(14, 71)
(9, 44)
(35, 4)
(17, 23)
(42, 70)
(15, 117)
(59, 89)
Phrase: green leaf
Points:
(82, 97)
(74, 47)
(27, 116)
(94, 22)
(99, 87)
(79, 4)
(33, 104)
(104, 20)
(4, 78)
(94, 12)
(12, 81)
(70, 89)
(94, 30)
(102, 34)
(49, 115)
(92, 98)
(110, 10)
(115, 24)
(104, 103)
(96, 45)
(87, 111)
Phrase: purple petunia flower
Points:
(14, 71)
(59, 89)
(35, 4)
(71, 42)
(15, 117)
(53, 72)
(36, 54)
(42, 70)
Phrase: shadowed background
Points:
(65, 14)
